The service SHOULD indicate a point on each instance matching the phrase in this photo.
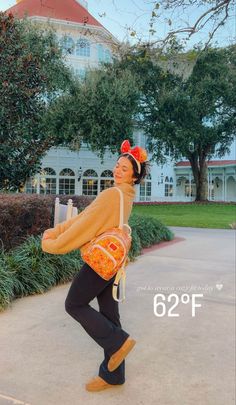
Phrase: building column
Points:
(79, 186)
(190, 185)
(225, 186)
(76, 185)
(137, 195)
(223, 181)
(208, 182)
(57, 185)
(38, 184)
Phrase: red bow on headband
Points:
(139, 153)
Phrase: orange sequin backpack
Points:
(107, 254)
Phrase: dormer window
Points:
(82, 47)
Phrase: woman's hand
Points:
(47, 235)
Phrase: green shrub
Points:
(27, 270)
(136, 247)
(65, 266)
(34, 275)
(6, 284)
(149, 230)
(22, 215)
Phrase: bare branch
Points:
(200, 23)
(218, 25)
(216, 14)
(210, 11)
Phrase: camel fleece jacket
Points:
(102, 214)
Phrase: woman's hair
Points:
(145, 168)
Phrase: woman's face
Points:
(123, 171)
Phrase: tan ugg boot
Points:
(98, 384)
(117, 357)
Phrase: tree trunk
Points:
(200, 174)
(202, 190)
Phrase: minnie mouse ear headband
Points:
(138, 154)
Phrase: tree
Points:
(214, 15)
(98, 111)
(32, 73)
(172, 23)
(192, 118)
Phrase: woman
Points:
(102, 214)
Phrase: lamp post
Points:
(161, 179)
(80, 172)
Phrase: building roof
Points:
(67, 10)
(211, 163)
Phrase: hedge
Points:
(27, 270)
(22, 215)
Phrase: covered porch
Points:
(221, 181)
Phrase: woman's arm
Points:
(81, 229)
(53, 233)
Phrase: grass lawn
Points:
(192, 215)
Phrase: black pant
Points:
(103, 326)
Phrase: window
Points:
(67, 45)
(189, 191)
(90, 173)
(67, 182)
(142, 141)
(67, 172)
(145, 191)
(48, 171)
(212, 190)
(180, 181)
(48, 181)
(168, 190)
(90, 182)
(104, 55)
(47, 185)
(108, 181)
(168, 186)
(100, 52)
(82, 47)
(80, 72)
(167, 151)
(31, 185)
(107, 56)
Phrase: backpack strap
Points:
(120, 276)
(121, 224)
(121, 208)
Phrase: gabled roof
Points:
(67, 10)
(211, 163)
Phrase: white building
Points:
(65, 172)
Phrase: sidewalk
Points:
(46, 357)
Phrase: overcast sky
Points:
(135, 14)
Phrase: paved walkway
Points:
(46, 357)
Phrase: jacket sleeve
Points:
(74, 233)
(62, 227)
